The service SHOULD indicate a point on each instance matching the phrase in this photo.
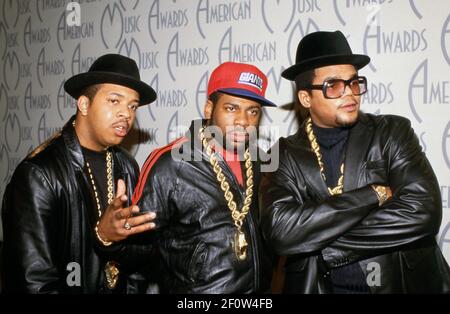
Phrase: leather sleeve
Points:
(292, 223)
(414, 212)
(29, 226)
(152, 194)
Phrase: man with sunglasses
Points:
(354, 205)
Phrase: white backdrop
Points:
(176, 43)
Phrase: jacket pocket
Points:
(196, 270)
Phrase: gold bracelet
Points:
(105, 243)
(381, 193)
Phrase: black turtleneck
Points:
(332, 141)
(97, 163)
(332, 144)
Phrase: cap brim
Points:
(359, 61)
(247, 94)
(77, 83)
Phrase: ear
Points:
(305, 98)
(208, 110)
(83, 105)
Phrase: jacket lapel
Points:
(356, 151)
(120, 172)
(307, 160)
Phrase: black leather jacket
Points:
(49, 215)
(195, 231)
(319, 232)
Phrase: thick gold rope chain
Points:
(316, 149)
(240, 242)
(111, 267)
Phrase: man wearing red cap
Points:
(354, 204)
(203, 188)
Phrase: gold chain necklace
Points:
(111, 267)
(109, 182)
(240, 243)
(316, 149)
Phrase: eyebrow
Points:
(338, 78)
(123, 96)
(237, 105)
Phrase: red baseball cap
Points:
(239, 79)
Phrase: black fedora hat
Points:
(320, 49)
(114, 69)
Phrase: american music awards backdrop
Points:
(177, 43)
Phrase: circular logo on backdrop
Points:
(201, 93)
(174, 129)
(4, 163)
(33, 102)
(3, 40)
(38, 10)
(274, 83)
(12, 132)
(33, 35)
(11, 70)
(275, 9)
(418, 82)
(444, 241)
(40, 66)
(111, 25)
(67, 105)
(412, 3)
(27, 35)
(129, 5)
(172, 55)
(298, 31)
(45, 5)
(154, 83)
(45, 131)
(80, 61)
(28, 95)
(246, 51)
(12, 7)
(165, 19)
(217, 12)
(180, 57)
(445, 39)
(61, 30)
(338, 12)
(153, 20)
(3, 102)
(446, 145)
(130, 48)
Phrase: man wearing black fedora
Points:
(354, 205)
(58, 193)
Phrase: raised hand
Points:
(118, 223)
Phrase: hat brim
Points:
(77, 83)
(359, 61)
(247, 94)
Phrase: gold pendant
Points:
(112, 274)
(240, 245)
